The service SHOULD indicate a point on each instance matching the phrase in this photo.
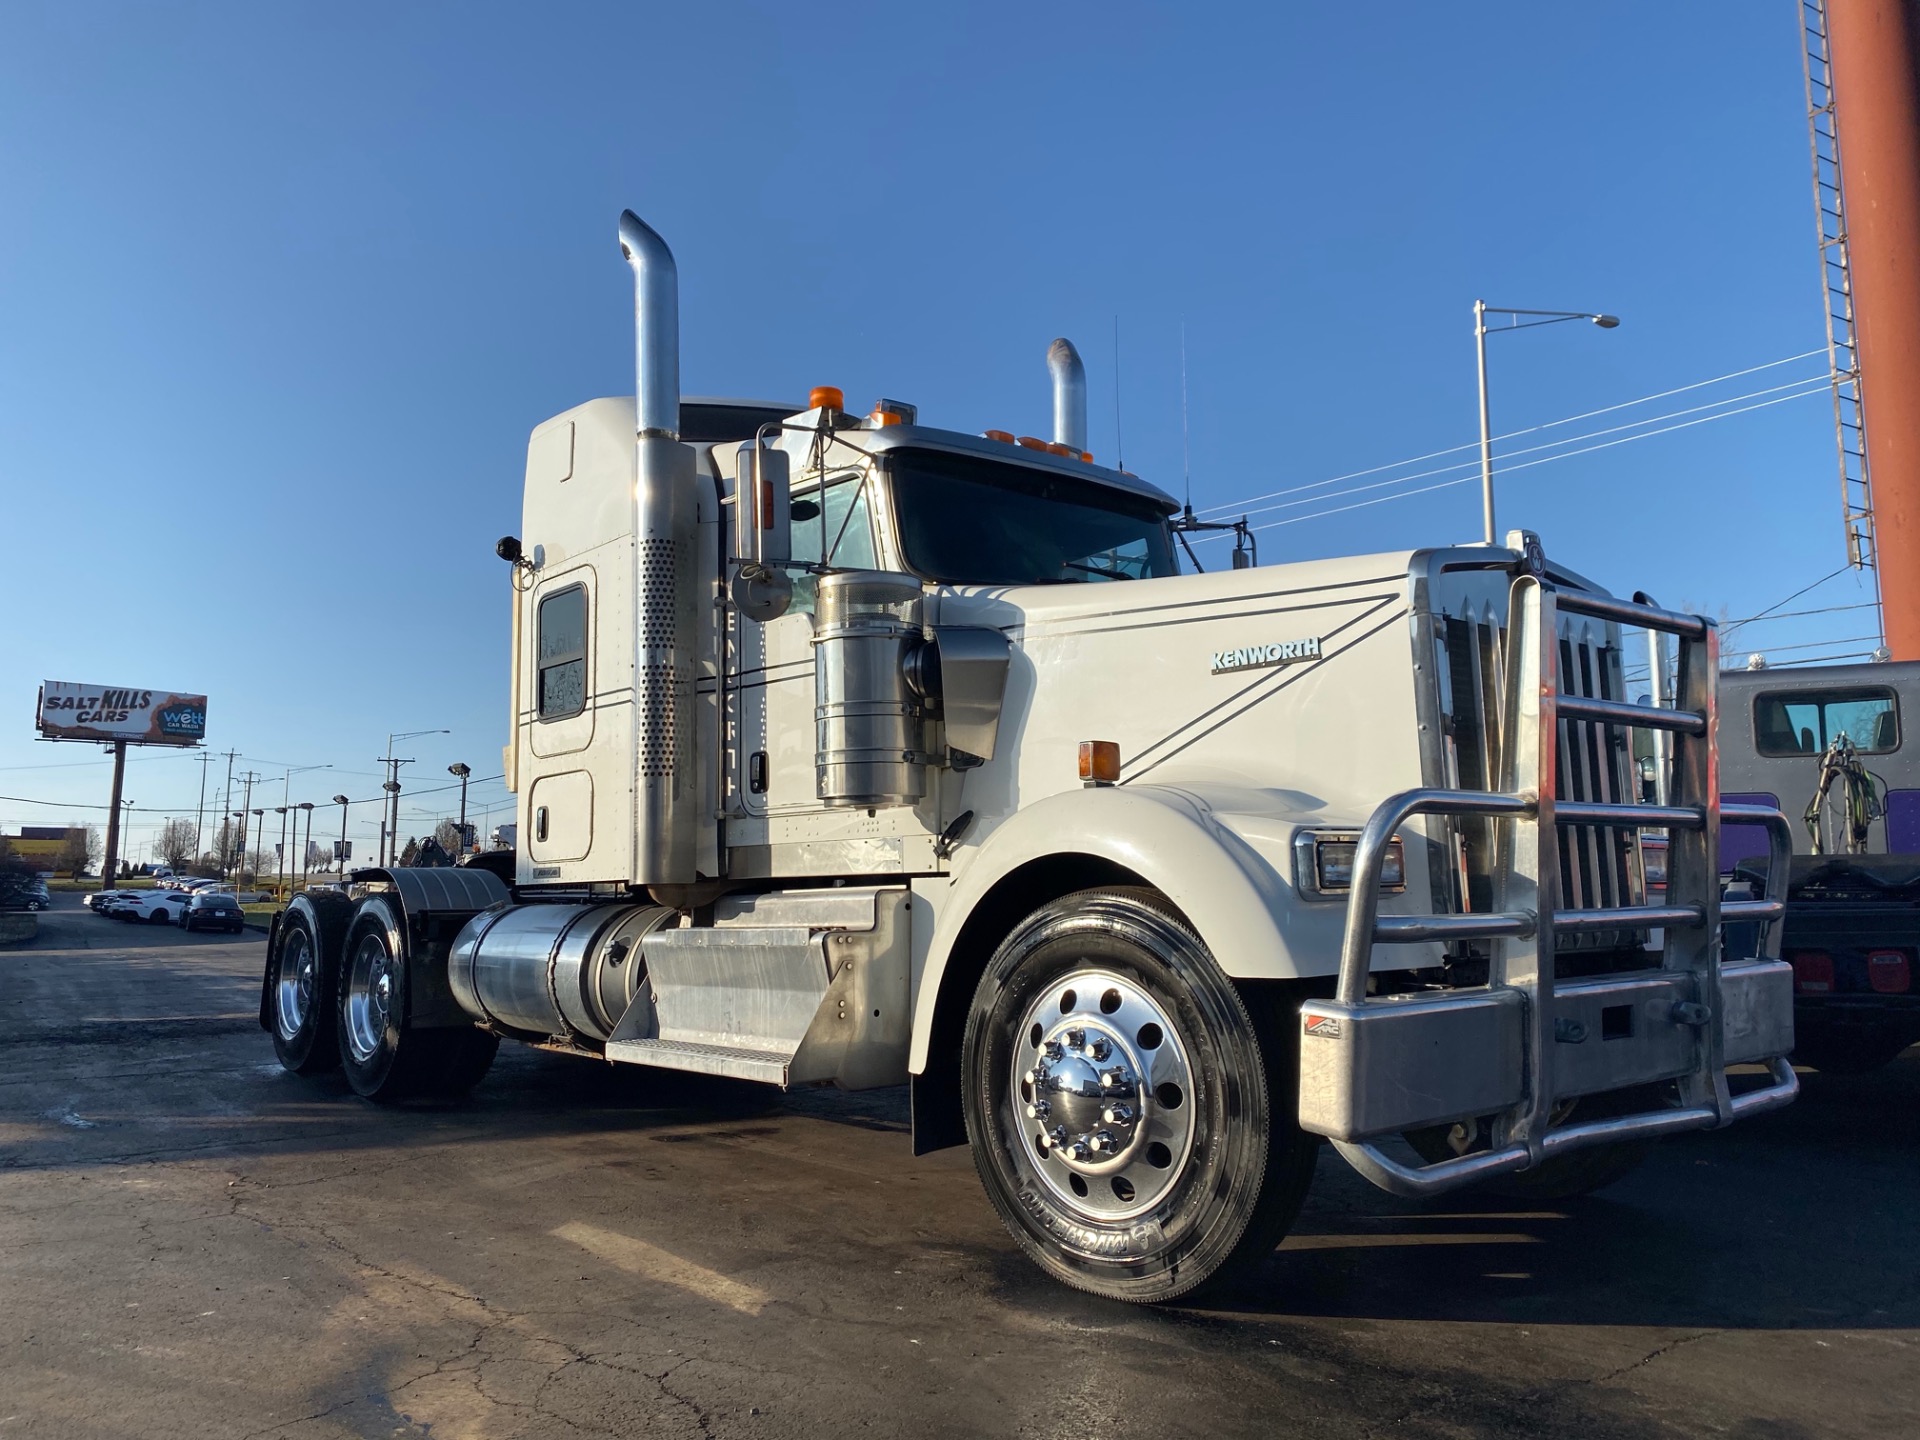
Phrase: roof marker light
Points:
(826, 397)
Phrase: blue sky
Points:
(283, 289)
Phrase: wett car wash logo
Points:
(1284, 652)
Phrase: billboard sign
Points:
(139, 717)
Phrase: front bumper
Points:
(1516, 1050)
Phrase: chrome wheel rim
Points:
(293, 996)
(369, 997)
(1101, 1094)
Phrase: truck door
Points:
(774, 773)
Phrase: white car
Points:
(156, 907)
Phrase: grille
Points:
(1599, 864)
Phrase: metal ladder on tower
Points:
(1836, 279)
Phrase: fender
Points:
(1222, 854)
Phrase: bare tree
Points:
(447, 834)
(81, 852)
(175, 844)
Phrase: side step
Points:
(770, 1067)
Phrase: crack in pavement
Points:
(1652, 1355)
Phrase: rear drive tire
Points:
(1132, 1118)
(303, 981)
(387, 1060)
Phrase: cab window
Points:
(1806, 722)
(561, 676)
(844, 535)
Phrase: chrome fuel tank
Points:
(559, 970)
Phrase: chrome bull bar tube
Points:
(1372, 1067)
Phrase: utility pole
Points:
(391, 843)
(226, 808)
(246, 807)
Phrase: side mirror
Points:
(762, 532)
(763, 505)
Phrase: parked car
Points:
(96, 900)
(156, 907)
(24, 895)
(116, 902)
(213, 912)
(245, 897)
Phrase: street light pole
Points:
(1539, 317)
(340, 858)
(390, 843)
(280, 865)
(307, 849)
(463, 770)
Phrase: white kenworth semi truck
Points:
(854, 751)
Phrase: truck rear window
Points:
(1806, 722)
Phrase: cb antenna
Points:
(1186, 448)
(1119, 450)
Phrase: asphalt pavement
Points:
(193, 1243)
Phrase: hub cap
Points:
(1102, 1095)
(294, 994)
(369, 997)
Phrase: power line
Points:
(1818, 385)
(174, 809)
(1527, 464)
(1788, 601)
(1532, 429)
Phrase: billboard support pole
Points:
(110, 863)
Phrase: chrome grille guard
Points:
(1372, 1067)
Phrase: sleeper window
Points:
(562, 673)
(1807, 722)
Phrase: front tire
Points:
(1132, 1120)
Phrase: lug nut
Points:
(1110, 1078)
(1079, 1151)
(1043, 1140)
(1104, 1143)
(1054, 1052)
(1039, 1108)
(1075, 1039)
(1099, 1049)
(1117, 1114)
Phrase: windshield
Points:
(973, 522)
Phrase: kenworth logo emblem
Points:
(1283, 653)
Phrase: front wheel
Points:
(1132, 1119)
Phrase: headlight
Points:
(1323, 862)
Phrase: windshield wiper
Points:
(1096, 570)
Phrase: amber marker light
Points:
(1099, 762)
(1031, 442)
(826, 397)
(1005, 437)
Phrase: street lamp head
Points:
(341, 800)
(1606, 322)
(304, 805)
(459, 768)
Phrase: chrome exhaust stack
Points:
(666, 789)
(1069, 395)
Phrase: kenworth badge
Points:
(1283, 653)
